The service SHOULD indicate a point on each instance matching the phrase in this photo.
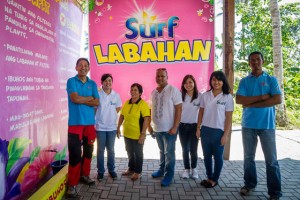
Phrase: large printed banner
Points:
(132, 38)
(39, 46)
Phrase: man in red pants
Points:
(82, 98)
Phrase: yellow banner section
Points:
(55, 188)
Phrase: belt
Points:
(186, 124)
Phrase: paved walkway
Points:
(231, 179)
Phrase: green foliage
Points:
(35, 153)
(15, 149)
(61, 155)
(256, 35)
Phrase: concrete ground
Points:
(231, 179)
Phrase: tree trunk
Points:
(277, 59)
(228, 57)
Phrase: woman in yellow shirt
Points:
(136, 117)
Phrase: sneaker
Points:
(186, 174)
(166, 181)
(72, 192)
(87, 180)
(245, 191)
(194, 174)
(157, 174)
(100, 176)
(113, 175)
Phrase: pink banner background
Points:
(107, 26)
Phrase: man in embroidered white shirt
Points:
(166, 106)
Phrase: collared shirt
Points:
(163, 107)
(190, 109)
(106, 115)
(259, 118)
(81, 114)
(215, 108)
(134, 118)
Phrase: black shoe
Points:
(100, 176)
(113, 175)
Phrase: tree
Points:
(277, 58)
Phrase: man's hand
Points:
(173, 131)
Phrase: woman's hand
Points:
(198, 133)
(118, 133)
(224, 139)
(142, 138)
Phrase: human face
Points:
(82, 68)
(161, 78)
(107, 84)
(256, 62)
(134, 92)
(189, 85)
(216, 84)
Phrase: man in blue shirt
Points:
(82, 98)
(258, 93)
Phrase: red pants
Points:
(81, 145)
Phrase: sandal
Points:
(203, 182)
(127, 172)
(135, 176)
(209, 185)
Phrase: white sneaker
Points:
(186, 174)
(194, 174)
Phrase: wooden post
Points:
(228, 48)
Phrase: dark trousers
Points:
(135, 155)
(189, 144)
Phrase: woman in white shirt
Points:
(214, 122)
(188, 126)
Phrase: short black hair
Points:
(221, 77)
(105, 76)
(80, 59)
(139, 87)
(256, 53)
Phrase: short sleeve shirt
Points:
(163, 107)
(134, 118)
(106, 115)
(190, 109)
(259, 118)
(81, 114)
(215, 108)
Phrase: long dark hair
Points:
(183, 90)
(221, 77)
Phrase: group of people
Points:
(186, 113)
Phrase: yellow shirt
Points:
(134, 118)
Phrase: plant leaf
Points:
(16, 148)
(61, 155)
(34, 154)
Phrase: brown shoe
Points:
(127, 172)
(135, 176)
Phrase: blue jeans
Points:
(211, 146)
(268, 144)
(106, 139)
(189, 144)
(166, 145)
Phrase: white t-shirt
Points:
(163, 107)
(215, 108)
(106, 115)
(190, 110)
